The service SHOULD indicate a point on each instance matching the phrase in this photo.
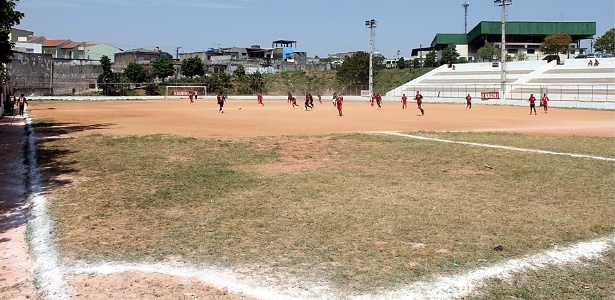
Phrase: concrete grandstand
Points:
(571, 84)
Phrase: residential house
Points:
(95, 51)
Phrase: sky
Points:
(319, 27)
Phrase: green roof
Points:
(576, 30)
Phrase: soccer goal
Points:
(185, 90)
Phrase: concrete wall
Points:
(31, 73)
(39, 74)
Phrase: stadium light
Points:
(503, 3)
(371, 24)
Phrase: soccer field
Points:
(166, 198)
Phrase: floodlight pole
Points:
(503, 3)
(371, 24)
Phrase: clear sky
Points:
(320, 27)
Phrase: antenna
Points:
(465, 6)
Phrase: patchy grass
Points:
(597, 146)
(364, 212)
(593, 279)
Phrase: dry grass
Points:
(363, 212)
(593, 279)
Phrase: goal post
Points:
(185, 90)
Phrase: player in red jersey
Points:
(419, 102)
(545, 103)
(311, 100)
(319, 98)
(191, 95)
(371, 101)
(293, 101)
(339, 101)
(404, 101)
(379, 100)
(532, 101)
(221, 99)
(22, 102)
(468, 102)
(306, 104)
(290, 98)
(259, 97)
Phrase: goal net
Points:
(184, 91)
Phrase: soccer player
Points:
(373, 98)
(307, 101)
(311, 100)
(334, 98)
(379, 100)
(404, 101)
(532, 101)
(468, 102)
(320, 98)
(190, 95)
(339, 100)
(259, 97)
(293, 100)
(221, 99)
(545, 103)
(419, 101)
(22, 102)
(290, 98)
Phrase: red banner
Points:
(490, 95)
(181, 93)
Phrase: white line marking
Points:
(51, 273)
(418, 137)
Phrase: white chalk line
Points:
(418, 137)
(51, 272)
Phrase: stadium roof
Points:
(576, 30)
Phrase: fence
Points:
(603, 93)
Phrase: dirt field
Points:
(247, 118)
(244, 119)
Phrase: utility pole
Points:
(177, 53)
(503, 3)
(371, 24)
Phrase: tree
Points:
(606, 42)
(240, 71)
(9, 17)
(555, 43)
(449, 54)
(135, 72)
(106, 80)
(521, 56)
(192, 66)
(354, 70)
(430, 59)
(401, 63)
(163, 68)
(166, 55)
(489, 52)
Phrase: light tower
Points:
(503, 4)
(465, 6)
(371, 24)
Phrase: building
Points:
(521, 37)
(139, 55)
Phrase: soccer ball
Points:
(239, 108)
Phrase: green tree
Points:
(401, 63)
(163, 68)
(449, 54)
(430, 59)
(192, 66)
(240, 71)
(218, 82)
(606, 42)
(355, 69)
(166, 55)
(555, 43)
(107, 80)
(9, 17)
(135, 73)
(521, 56)
(489, 52)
